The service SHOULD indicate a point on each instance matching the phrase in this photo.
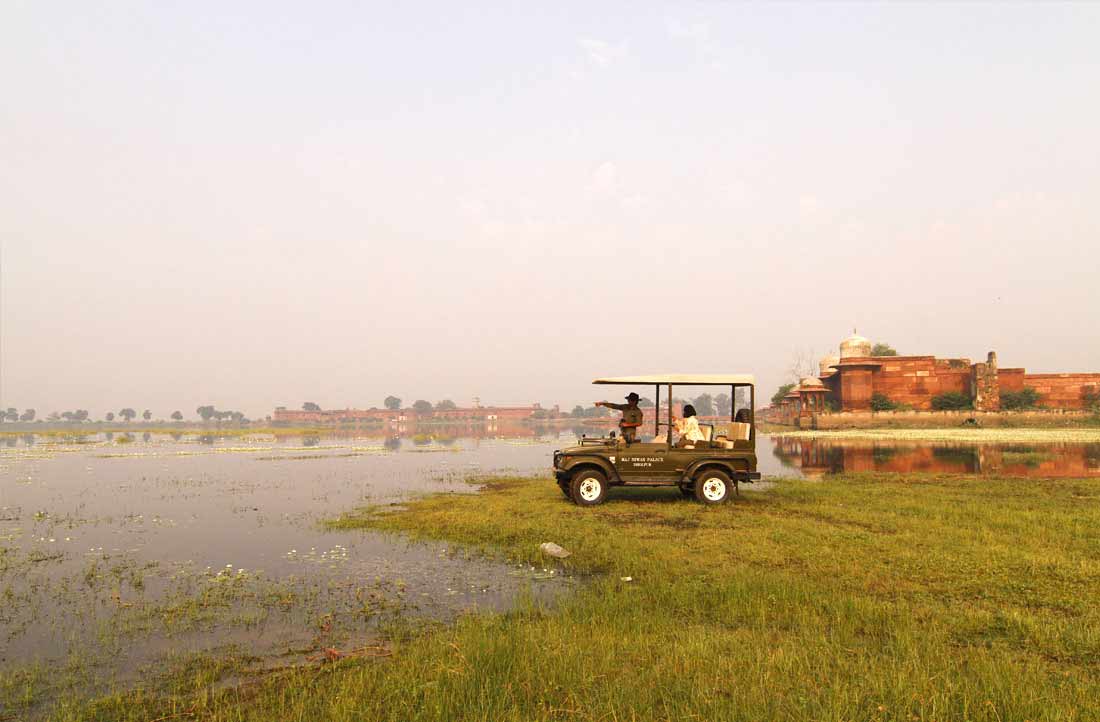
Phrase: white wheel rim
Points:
(714, 489)
(590, 489)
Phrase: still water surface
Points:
(114, 555)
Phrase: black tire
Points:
(564, 486)
(588, 487)
(687, 490)
(712, 486)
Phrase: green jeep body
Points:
(705, 469)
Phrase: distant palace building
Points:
(849, 381)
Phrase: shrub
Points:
(777, 397)
(880, 402)
(1091, 396)
(952, 401)
(1025, 398)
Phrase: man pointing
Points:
(632, 416)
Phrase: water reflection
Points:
(819, 456)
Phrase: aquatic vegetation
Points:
(1030, 458)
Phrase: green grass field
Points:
(855, 598)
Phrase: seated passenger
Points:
(688, 428)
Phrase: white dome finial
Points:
(855, 346)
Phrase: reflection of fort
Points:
(816, 456)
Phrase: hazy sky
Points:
(254, 204)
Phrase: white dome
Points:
(827, 363)
(855, 346)
(811, 382)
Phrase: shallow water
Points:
(117, 554)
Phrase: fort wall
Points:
(914, 380)
(1067, 391)
(1011, 379)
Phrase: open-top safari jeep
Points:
(707, 470)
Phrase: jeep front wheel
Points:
(712, 486)
(588, 487)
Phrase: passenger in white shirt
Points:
(688, 427)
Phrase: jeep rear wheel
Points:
(712, 486)
(588, 487)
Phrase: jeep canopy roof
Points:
(683, 380)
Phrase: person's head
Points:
(689, 411)
(632, 398)
(742, 416)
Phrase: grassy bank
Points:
(859, 598)
(911, 419)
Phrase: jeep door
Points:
(640, 462)
(680, 459)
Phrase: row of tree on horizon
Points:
(127, 414)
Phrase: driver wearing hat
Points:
(632, 416)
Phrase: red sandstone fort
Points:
(849, 381)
